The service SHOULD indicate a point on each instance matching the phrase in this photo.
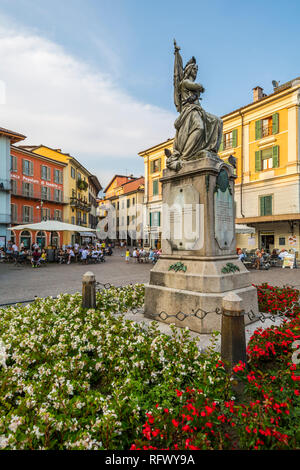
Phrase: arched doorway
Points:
(41, 239)
(26, 239)
(54, 239)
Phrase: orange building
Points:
(37, 193)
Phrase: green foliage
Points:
(230, 268)
(178, 267)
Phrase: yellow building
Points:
(77, 180)
(126, 195)
(155, 162)
(263, 136)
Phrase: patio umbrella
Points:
(53, 226)
(240, 228)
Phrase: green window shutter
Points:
(275, 156)
(222, 144)
(275, 123)
(258, 160)
(258, 129)
(262, 206)
(268, 205)
(159, 164)
(155, 188)
(234, 138)
(150, 219)
(151, 166)
(159, 219)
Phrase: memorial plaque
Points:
(183, 218)
(224, 218)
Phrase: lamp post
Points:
(41, 207)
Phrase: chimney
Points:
(258, 93)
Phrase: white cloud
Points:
(55, 99)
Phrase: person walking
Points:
(127, 257)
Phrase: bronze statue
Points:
(196, 130)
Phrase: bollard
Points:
(89, 290)
(233, 338)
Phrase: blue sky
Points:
(122, 52)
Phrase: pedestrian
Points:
(127, 256)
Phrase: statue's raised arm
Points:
(196, 130)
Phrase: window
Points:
(266, 203)
(45, 173)
(73, 173)
(128, 220)
(155, 187)
(133, 201)
(27, 213)
(267, 126)
(229, 140)
(27, 167)
(14, 186)
(128, 203)
(27, 189)
(58, 176)
(45, 193)
(78, 176)
(46, 214)
(84, 218)
(154, 219)
(57, 214)
(267, 158)
(281, 241)
(57, 195)
(155, 165)
(13, 163)
(73, 220)
(14, 212)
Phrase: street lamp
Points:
(38, 207)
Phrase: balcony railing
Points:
(5, 185)
(80, 204)
(33, 220)
(266, 130)
(38, 195)
(5, 218)
(227, 144)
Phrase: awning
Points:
(239, 228)
(87, 234)
(53, 226)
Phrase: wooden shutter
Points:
(23, 166)
(275, 123)
(258, 129)
(30, 214)
(268, 205)
(151, 166)
(159, 164)
(258, 160)
(222, 144)
(234, 138)
(150, 219)
(262, 206)
(155, 188)
(275, 156)
(159, 219)
(31, 168)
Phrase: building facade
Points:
(264, 138)
(125, 195)
(154, 163)
(37, 194)
(7, 138)
(76, 186)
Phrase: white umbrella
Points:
(240, 228)
(53, 226)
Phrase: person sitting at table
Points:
(43, 257)
(70, 255)
(241, 255)
(259, 259)
(35, 258)
(84, 255)
(283, 253)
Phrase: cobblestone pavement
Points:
(24, 282)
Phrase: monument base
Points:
(184, 298)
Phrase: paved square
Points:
(24, 282)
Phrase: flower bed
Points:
(87, 379)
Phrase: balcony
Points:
(37, 195)
(227, 144)
(266, 130)
(33, 220)
(5, 219)
(80, 204)
(5, 185)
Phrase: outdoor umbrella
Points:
(239, 228)
(53, 226)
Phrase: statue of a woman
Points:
(196, 129)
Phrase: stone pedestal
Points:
(199, 264)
